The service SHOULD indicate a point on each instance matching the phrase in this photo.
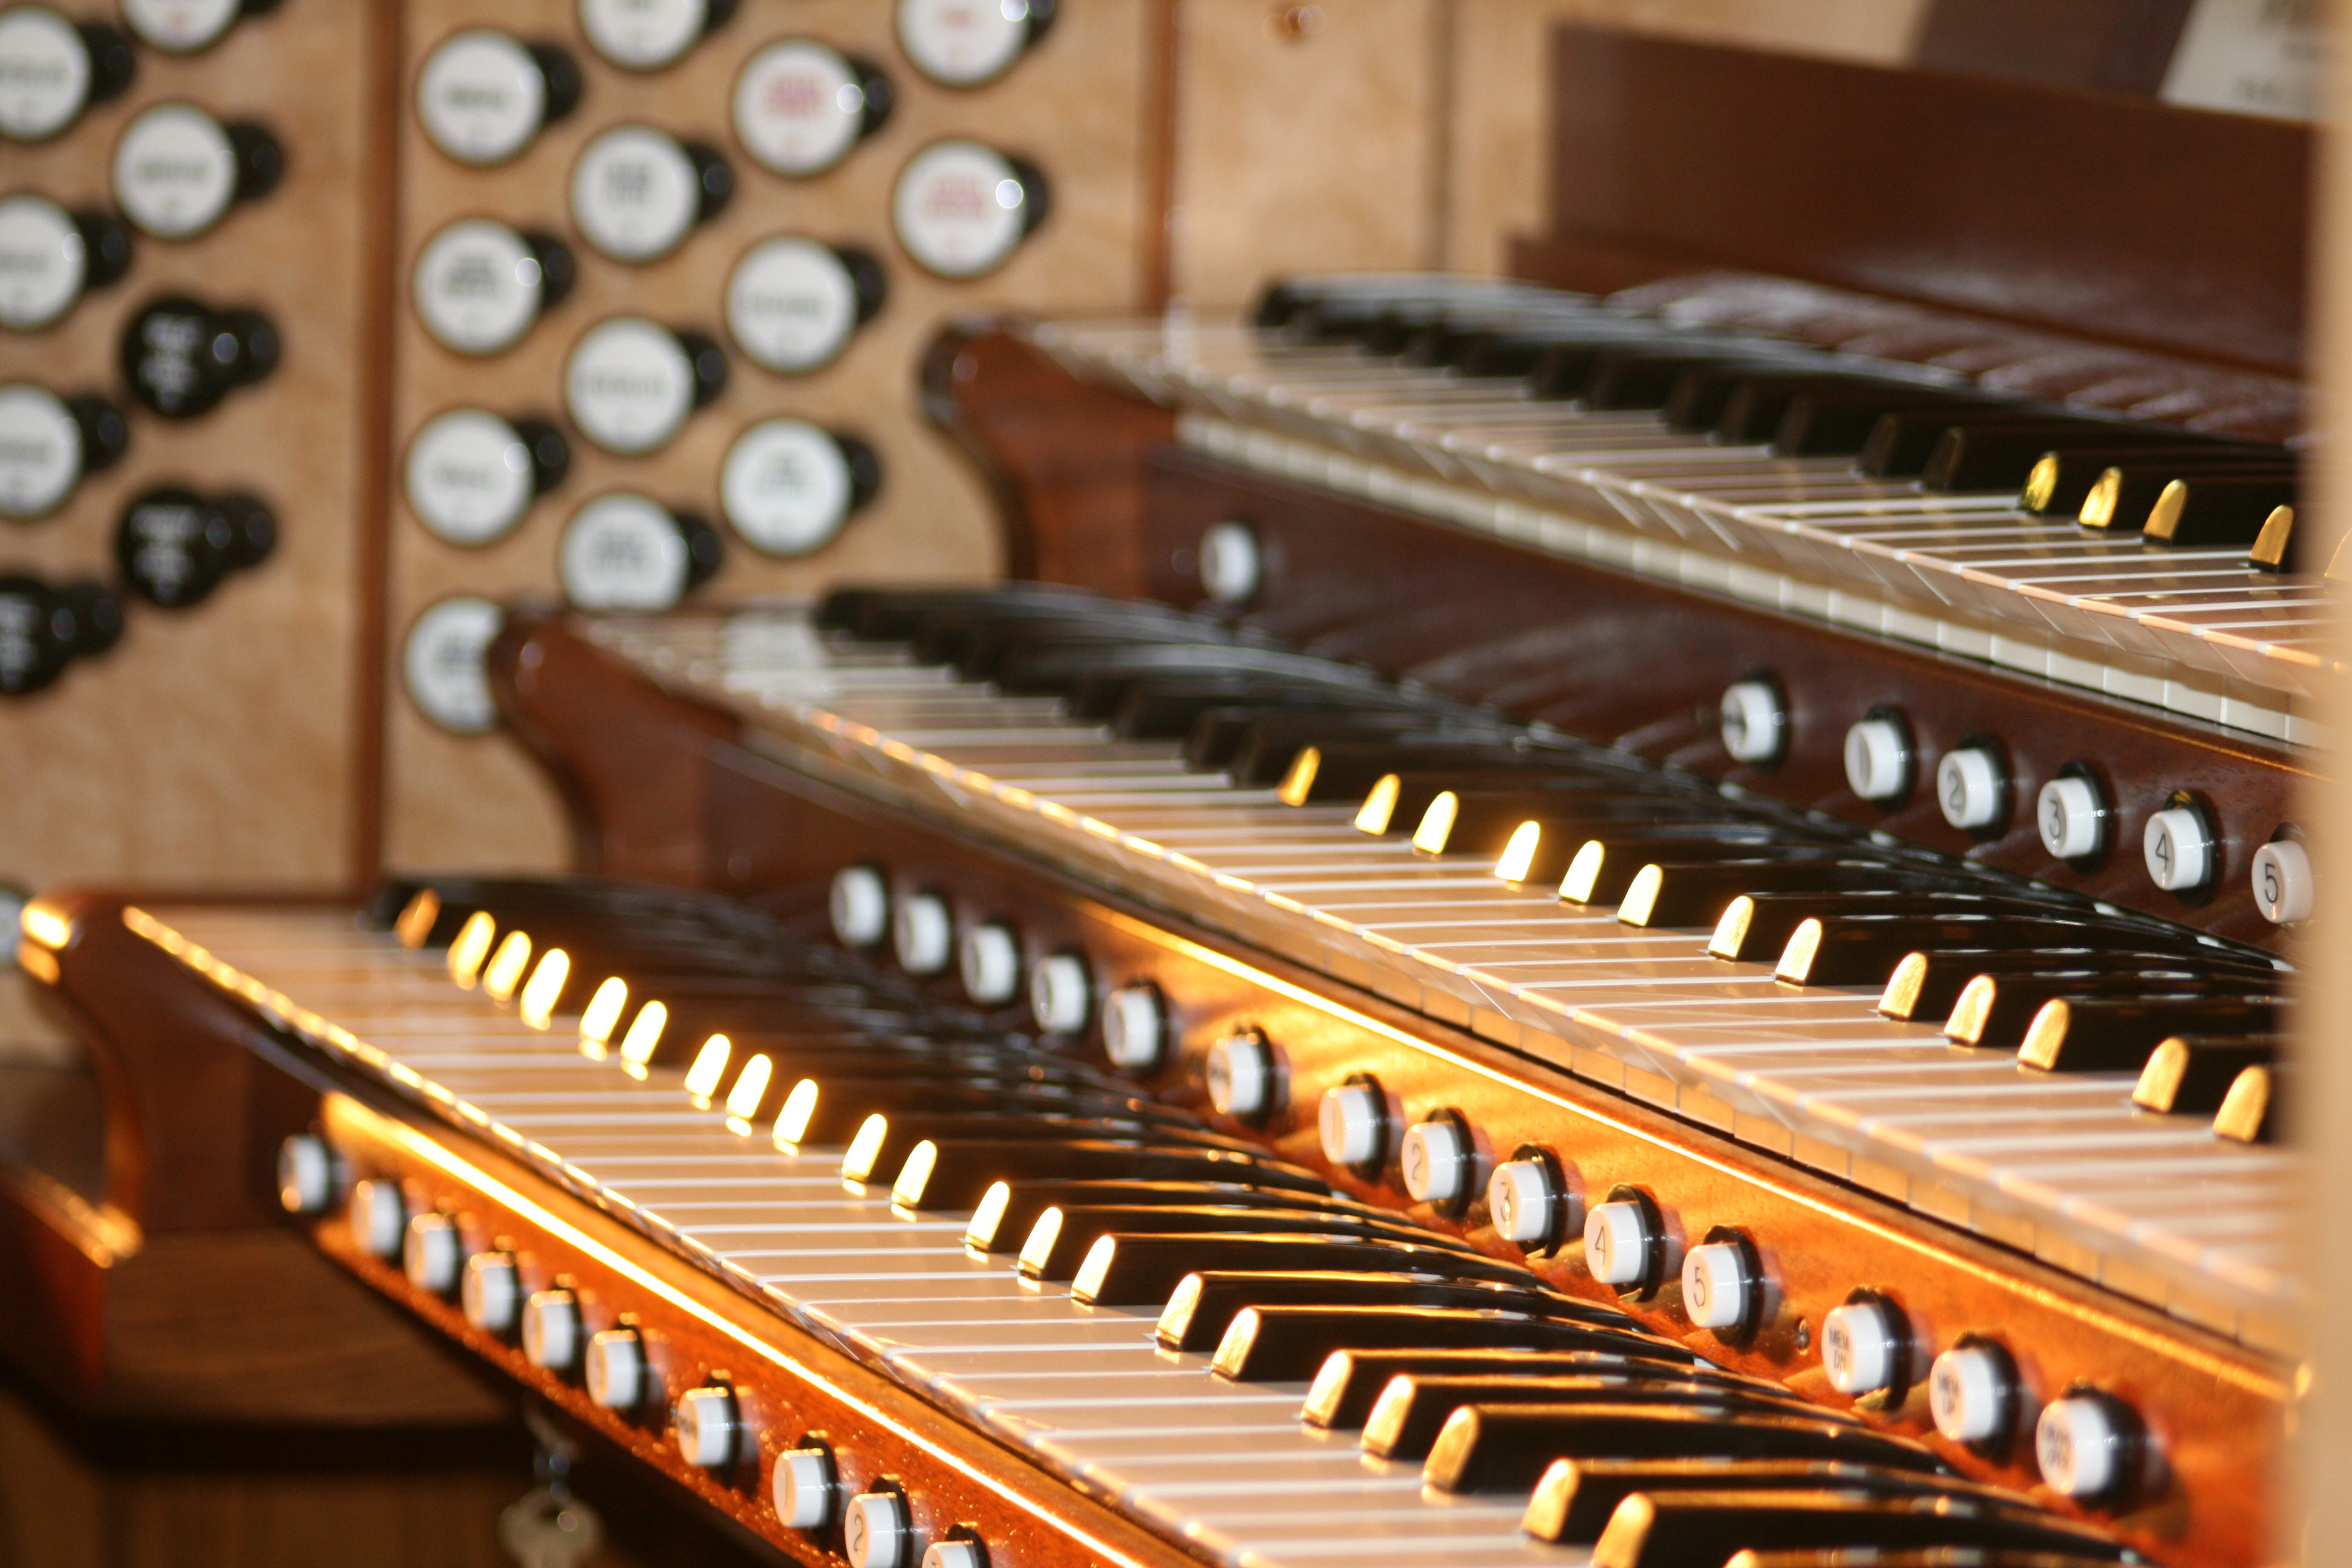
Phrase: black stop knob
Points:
(180, 356)
(174, 547)
(32, 653)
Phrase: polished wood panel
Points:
(2120, 219)
(2112, 46)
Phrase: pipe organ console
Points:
(1648, 925)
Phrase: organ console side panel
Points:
(223, 741)
(1068, 105)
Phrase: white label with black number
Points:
(963, 43)
(469, 476)
(477, 286)
(44, 73)
(174, 171)
(635, 194)
(43, 261)
(790, 305)
(785, 487)
(643, 34)
(629, 384)
(180, 27)
(622, 551)
(958, 209)
(482, 97)
(40, 451)
(798, 107)
(441, 662)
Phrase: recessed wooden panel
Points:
(1070, 106)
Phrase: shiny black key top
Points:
(1688, 1529)
(1134, 1270)
(1203, 1304)
(1411, 1411)
(1506, 1449)
(1575, 1497)
(953, 1174)
(1351, 1381)
(2102, 1033)
(1280, 1344)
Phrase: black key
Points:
(2206, 511)
(1756, 408)
(1167, 709)
(1599, 870)
(1412, 1410)
(1839, 952)
(1282, 1344)
(1008, 1211)
(1924, 986)
(1345, 772)
(835, 1106)
(2250, 1111)
(1645, 375)
(1133, 1270)
(892, 614)
(1058, 1242)
(1483, 821)
(1838, 423)
(1694, 893)
(1994, 458)
(1263, 752)
(1576, 1498)
(1995, 1010)
(1901, 444)
(1506, 1448)
(2103, 488)
(1757, 928)
(1203, 1304)
(1688, 1529)
(1349, 1383)
(1056, 671)
(879, 1149)
(2106, 1034)
(2191, 1074)
(956, 1173)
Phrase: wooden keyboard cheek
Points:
(789, 1386)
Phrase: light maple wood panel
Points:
(222, 744)
(1070, 105)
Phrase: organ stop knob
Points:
(49, 258)
(792, 303)
(484, 96)
(471, 475)
(623, 550)
(960, 209)
(479, 284)
(801, 106)
(637, 192)
(188, 26)
(630, 383)
(47, 443)
(177, 170)
(50, 70)
(789, 487)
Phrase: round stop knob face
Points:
(799, 107)
(45, 73)
(960, 209)
(959, 44)
(858, 904)
(791, 305)
(1860, 1348)
(786, 487)
(622, 551)
(643, 34)
(477, 286)
(469, 476)
(443, 664)
(635, 194)
(40, 451)
(180, 27)
(172, 546)
(482, 97)
(174, 171)
(629, 386)
(44, 262)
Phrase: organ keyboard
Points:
(1432, 1028)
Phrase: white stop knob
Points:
(1437, 1161)
(955, 1554)
(1240, 1072)
(1060, 995)
(1231, 563)
(1878, 760)
(1718, 1288)
(859, 905)
(1352, 1121)
(1134, 1028)
(1967, 1394)
(2067, 812)
(432, 1253)
(922, 935)
(1522, 1197)
(616, 1368)
(2077, 1446)
(2285, 885)
(379, 1218)
(1967, 788)
(551, 1330)
(989, 962)
(705, 1423)
(2179, 850)
(305, 1174)
(492, 1292)
(803, 1487)
(1617, 1242)
(874, 1533)
(1754, 723)
(1859, 1348)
